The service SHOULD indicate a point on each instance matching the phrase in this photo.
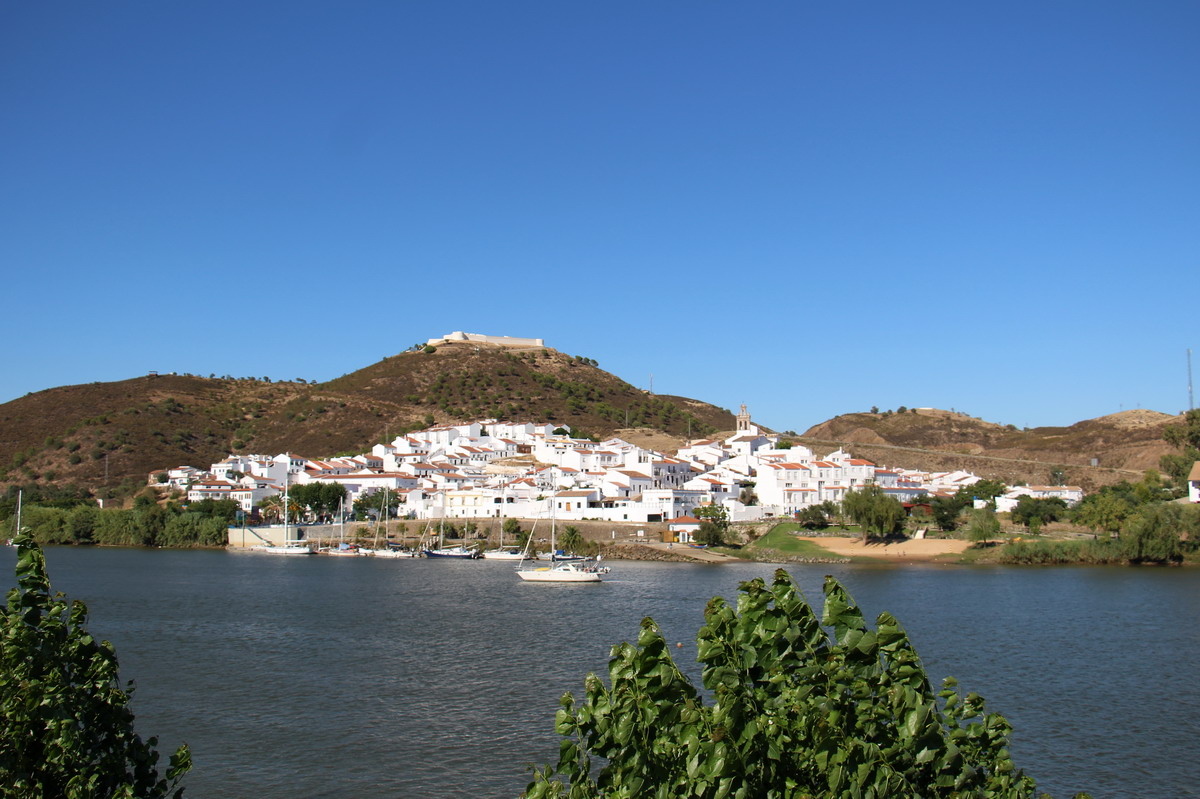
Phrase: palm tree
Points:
(271, 507)
(570, 539)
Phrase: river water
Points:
(356, 677)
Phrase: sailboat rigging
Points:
(342, 549)
(289, 546)
(443, 551)
(388, 551)
(502, 552)
(17, 526)
(563, 571)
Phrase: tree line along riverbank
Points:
(1141, 522)
(1120, 524)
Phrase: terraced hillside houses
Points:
(489, 469)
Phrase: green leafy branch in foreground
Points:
(797, 713)
(66, 729)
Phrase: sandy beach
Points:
(912, 550)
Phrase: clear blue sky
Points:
(811, 208)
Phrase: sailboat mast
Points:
(383, 516)
(286, 473)
(503, 490)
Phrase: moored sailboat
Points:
(562, 571)
(290, 546)
(343, 549)
(17, 525)
(502, 552)
(443, 551)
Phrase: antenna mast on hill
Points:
(1191, 403)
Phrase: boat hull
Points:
(273, 550)
(500, 554)
(449, 553)
(558, 576)
(396, 553)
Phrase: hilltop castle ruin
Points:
(477, 338)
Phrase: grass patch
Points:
(849, 531)
(781, 540)
(974, 554)
(744, 553)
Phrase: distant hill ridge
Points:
(1123, 444)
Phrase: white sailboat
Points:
(289, 547)
(444, 551)
(342, 549)
(502, 552)
(562, 571)
(388, 551)
(381, 521)
(17, 527)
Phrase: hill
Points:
(1122, 444)
(106, 437)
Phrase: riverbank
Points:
(786, 542)
(810, 549)
(665, 553)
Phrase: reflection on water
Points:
(340, 677)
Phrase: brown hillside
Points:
(1123, 444)
(125, 429)
(462, 381)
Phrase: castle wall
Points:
(499, 341)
